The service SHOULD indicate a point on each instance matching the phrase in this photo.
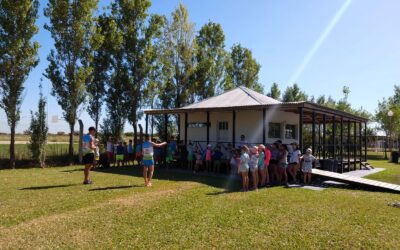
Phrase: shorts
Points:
(283, 165)
(306, 169)
(253, 168)
(261, 166)
(148, 163)
(190, 157)
(110, 155)
(119, 157)
(273, 161)
(243, 168)
(88, 159)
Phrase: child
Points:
(190, 155)
(234, 161)
(307, 161)
(253, 164)
(126, 157)
(283, 153)
(138, 154)
(96, 153)
(273, 166)
(294, 162)
(110, 150)
(119, 157)
(131, 155)
(261, 164)
(208, 157)
(199, 159)
(243, 168)
(267, 160)
(217, 157)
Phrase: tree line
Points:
(116, 61)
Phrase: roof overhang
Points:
(308, 108)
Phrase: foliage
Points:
(294, 94)
(242, 69)
(135, 54)
(274, 93)
(390, 125)
(38, 130)
(71, 27)
(210, 56)
(18, 56)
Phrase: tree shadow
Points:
(114, 187)
(47, 187)
(225, 182)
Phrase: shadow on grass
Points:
(48, 187)
(229, 183)
(114, 187)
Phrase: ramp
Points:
(356, 180)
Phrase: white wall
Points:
(248, 122)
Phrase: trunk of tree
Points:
(71, 144)
(96, 123)
(12, 146)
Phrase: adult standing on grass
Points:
(148, 161)
(89, 147)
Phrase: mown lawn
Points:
(50, 208)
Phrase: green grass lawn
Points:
(50, 208)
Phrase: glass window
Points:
(274, 130)
(197, 125)
(223, 125)
(290, 131)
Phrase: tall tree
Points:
(38, 130)
(179, 51)
(210, 55)
(274, 92)
(242, 69)
(294, 94)
(106, 39)
(18, 56)
(343, 104)
(139, 31)
(71, 27)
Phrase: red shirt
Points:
(267, 156)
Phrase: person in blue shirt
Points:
(88, 150)
(120, 154)
(148, 160)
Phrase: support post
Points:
(313, 132)
(348, 144)
(323, 136)
(152, 127)
(147, 124)
(166, 138)
(233, 128)
(341, 144)
(355, 145)
(264, 124)
(186, 128)
(208, 127)
(334, 138)
(359, 145)
(365, 141)
(301, 121)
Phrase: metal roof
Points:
(242, 98)
(238, 97)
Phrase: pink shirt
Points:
(208, 155)
(267, 157)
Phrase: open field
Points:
(51, 138)
(50, 208)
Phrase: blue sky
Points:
(321, 45)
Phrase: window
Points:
(274, 130)
(197, 125)
(290, 131)
(223, 125)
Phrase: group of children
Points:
(275, 163)
(121, 153)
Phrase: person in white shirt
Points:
(294, 162)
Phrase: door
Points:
(222, 131)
